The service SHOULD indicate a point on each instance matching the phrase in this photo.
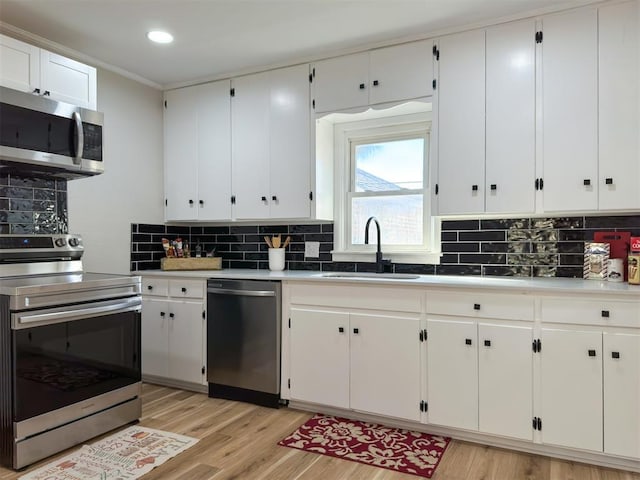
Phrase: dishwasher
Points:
(243, 340)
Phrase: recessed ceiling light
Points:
(158, 36)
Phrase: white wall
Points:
(102, 208)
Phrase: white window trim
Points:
(342, 182)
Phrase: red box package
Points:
(635, 245)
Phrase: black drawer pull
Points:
(586, 182)
(362, 86)
(190, 202)
(608, 181)
(264, 199)
(171, 315)
(376, 83)
(150, 287)
(476, 306)
(605, 313)
(162, 314)
(201, 202)
(356, 331)
(341, 329)
(274, 198)
(474, 188)
(615, 354)
(592, 353)
(467, 341)
(494, 186)
(184, 290)
(487, 343)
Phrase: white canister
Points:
(276, 259)
(615, 270)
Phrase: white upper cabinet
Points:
(461, 123)
(619, 106)
(271, 144)
(31, 69)
(570, 111)
(389, 74)
(400, 72)
(198, 152)
(510, 118)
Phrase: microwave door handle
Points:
(79, 138)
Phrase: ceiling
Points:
(214, 38)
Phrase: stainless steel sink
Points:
(397, 276)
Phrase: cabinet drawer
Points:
(617, 313)
(186, 288)
(155, 286)
(509, 307)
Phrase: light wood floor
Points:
(238, 441)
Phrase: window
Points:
(382, 170)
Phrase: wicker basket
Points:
(192, 263)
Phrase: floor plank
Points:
(238, 441)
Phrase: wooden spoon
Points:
(286, 242)
(275, 241)
(268, 242)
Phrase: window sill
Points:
(423, 257)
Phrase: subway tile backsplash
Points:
(32, 205)
(524, 247)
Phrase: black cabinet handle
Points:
(615, 354)
(162, 314)
(487, 343)
(376, 83)
(274, 198)
(474, 188)
(184, 290)
(190, 202)
(586, 182)
(201, 202)
(494, 186)
(356, 331)
(46, 93)
(592, 353)
(264, 199)
(341, 329)
(476, 306)
(362, 86)
(36, 91)
(171, 315)
(467, 341)
(605, 313)
(150, 287)
(608, 181)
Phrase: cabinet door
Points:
(571, 379)
(181, 154)
(570, 111)
(155, 339)
(452, 373)
(505, 366)
(619, 106)
(401, 72)
(68, 81)
(185, 341)
(19, 65)
(342, 82)
(385, 365)
(213, 130)
(621, 354)
(319, 357)
(510, 162)
(250, 107)
(461, 123)
(290, 151)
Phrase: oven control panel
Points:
(27, 246)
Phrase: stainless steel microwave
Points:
(40, 135)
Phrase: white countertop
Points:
(552, 285)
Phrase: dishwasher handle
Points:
(242, 293)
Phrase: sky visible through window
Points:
(379, 166)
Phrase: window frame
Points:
(346, 136)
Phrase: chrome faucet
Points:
(380, 263)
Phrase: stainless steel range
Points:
(69, 348)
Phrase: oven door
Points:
(64, 355)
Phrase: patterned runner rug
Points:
(125, 455)
(392, 448)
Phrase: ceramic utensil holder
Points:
(276, 259)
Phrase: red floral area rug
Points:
(392, 448)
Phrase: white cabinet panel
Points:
(319, 356)
(570, 111)
(341, 83)
(505, 366)
(250, 146)
(401, 72)
(571, 374)
(510, 118)
(290, 132)
(621, 356)
(19, 65)
(186, 324)
(385, 365)
(68, 81)
(619, 106)
(461, 123)
(155, 337)
(452, 373)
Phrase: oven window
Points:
(61, 364)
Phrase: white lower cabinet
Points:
(174, 331)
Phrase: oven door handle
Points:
(73, 313)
